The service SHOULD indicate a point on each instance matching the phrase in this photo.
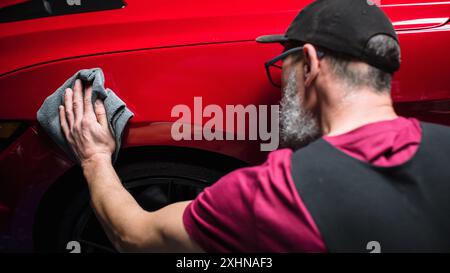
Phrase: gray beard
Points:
(299, 127)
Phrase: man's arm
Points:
(128, 226)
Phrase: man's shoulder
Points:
(435, 126)
(436, 137)
(277, 163)
(280, 154)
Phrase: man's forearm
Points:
(128, 226)
(114, 206)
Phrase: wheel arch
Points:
(64, 190)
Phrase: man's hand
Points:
(127, 225)
(86, 130)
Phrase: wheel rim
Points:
(152, 193)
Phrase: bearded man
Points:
(352, 172)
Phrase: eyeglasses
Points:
(275, 65)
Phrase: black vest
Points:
(404, 208)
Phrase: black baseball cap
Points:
(343, 26)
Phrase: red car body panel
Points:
(156, 55)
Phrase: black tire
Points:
(155, 178)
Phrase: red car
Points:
(155, 55)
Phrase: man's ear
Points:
(311, 64)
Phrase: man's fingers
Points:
(100, 113)
(68, 107)
(78, 101)
(88, 108)
(63, 121)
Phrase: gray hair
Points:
(380, 45)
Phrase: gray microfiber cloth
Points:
(116, 111)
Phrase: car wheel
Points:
(66, 222)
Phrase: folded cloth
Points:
(116, 111)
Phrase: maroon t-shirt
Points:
(258, 209)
